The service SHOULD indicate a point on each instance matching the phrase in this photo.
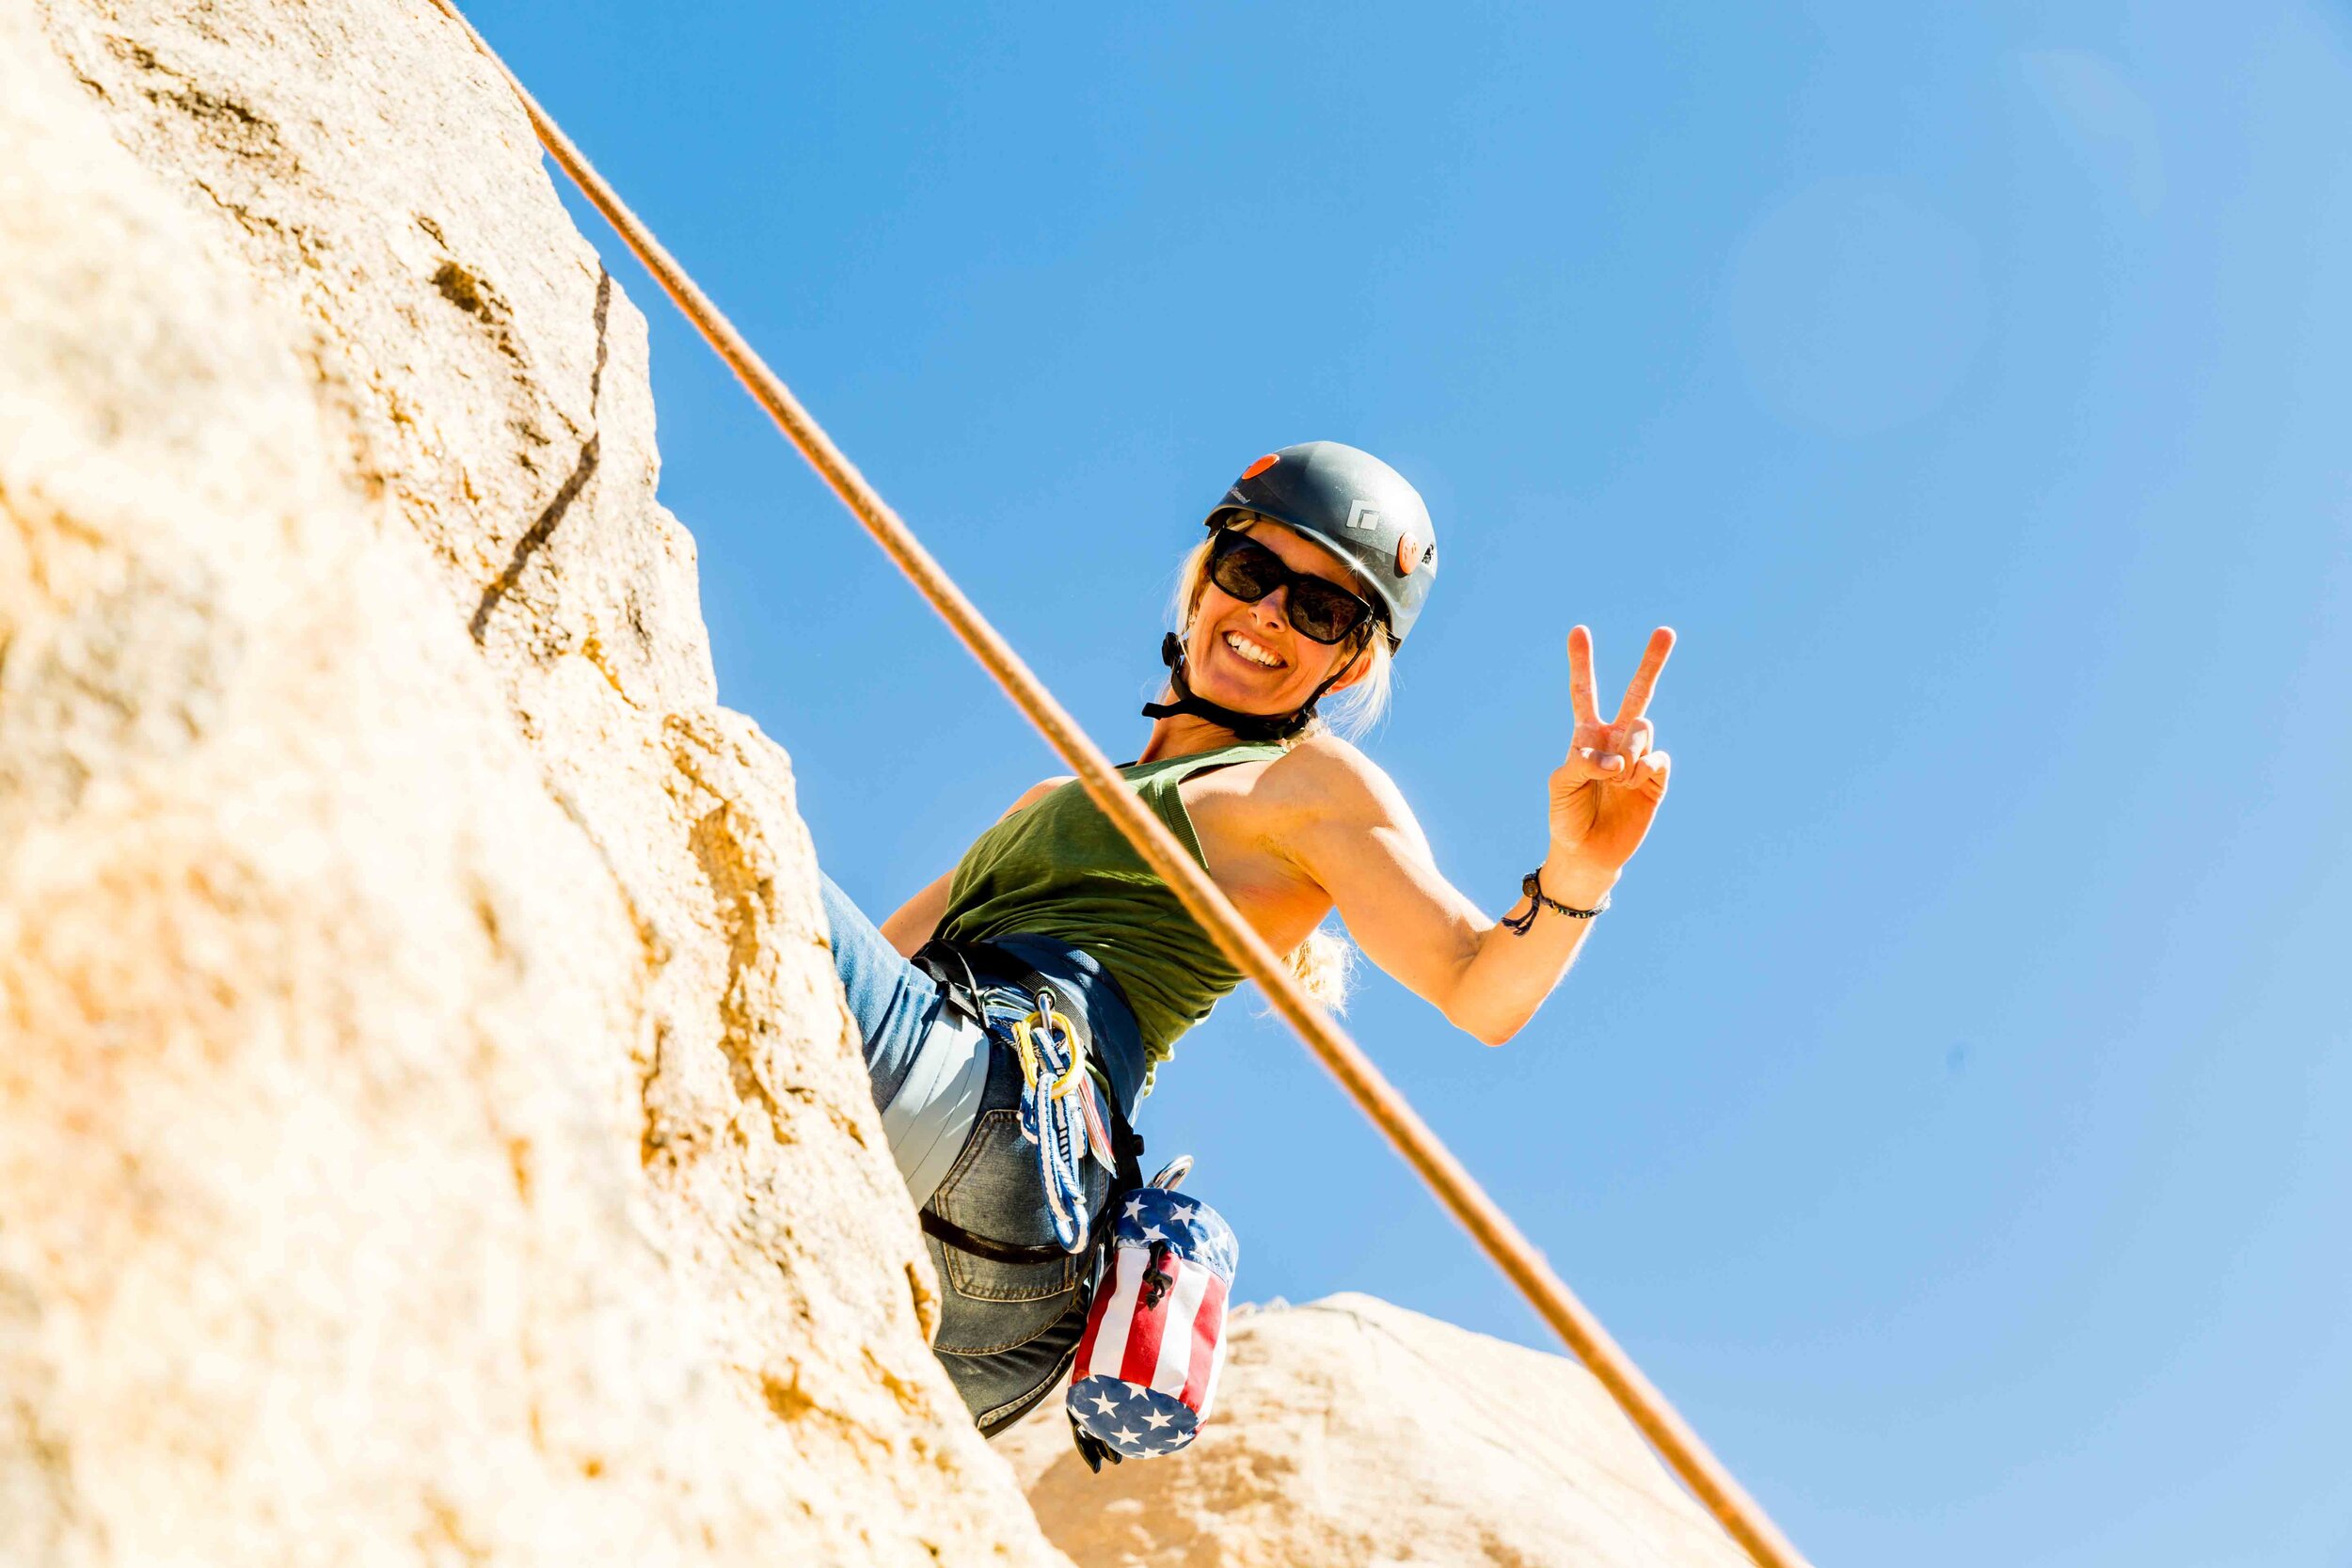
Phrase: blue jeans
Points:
(894, 1004)
(1007, 1331)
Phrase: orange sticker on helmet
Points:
(1407, 555)
(1262, 464)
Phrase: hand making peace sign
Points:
(1605, 794)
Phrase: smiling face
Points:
(1248, 656)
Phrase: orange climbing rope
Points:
(1388, 1110)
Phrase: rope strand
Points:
(1389, 1112)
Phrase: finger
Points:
(1595, 762)
(1583, 696)
(1637, 693)
(1650, 774)
(1608, 761)
(1616, 747)
(1635, 739)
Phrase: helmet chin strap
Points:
(1246, 726)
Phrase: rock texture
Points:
(428, 1128)
(1352, 1434)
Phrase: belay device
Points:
(1147, 1369)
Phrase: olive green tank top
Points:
(1058, 868)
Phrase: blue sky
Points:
(1951, 1114)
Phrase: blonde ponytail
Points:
(1322, 965)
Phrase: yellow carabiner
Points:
(1069, 1080)
(1025, 1046)
(1057, 1029)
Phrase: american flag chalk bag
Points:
(1154, 1342)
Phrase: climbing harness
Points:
(1155, 1270)
(1146, 1372)
(1065, 1111)
(1714, 1485)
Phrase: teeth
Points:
(1251, 652)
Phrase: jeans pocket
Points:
(994, 1191)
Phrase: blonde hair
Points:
(1324, 963)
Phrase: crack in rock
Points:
(584, 468)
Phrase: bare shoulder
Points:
(1038, 791)
(1334, 779)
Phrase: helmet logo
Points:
(1262, 464)
(1360, 516)
(1407, 555)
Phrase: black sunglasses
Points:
(1321, 610)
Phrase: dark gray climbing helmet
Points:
(1364, 511)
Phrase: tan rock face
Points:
(428, 1127)
(1351, 1433)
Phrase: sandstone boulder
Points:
(429, 1131)
(1352, 1434)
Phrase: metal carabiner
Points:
(1060, 1034)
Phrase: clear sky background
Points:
(1951, 1114)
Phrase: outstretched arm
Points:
(1373, 859)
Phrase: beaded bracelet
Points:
(1532, 885)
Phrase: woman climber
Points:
(1052, 935)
